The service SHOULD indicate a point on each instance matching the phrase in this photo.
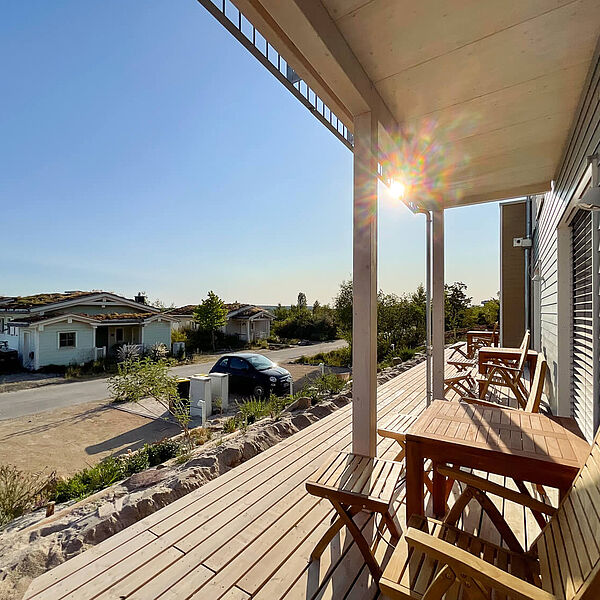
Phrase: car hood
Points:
(276, 372)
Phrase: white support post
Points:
(364, 325)
(437, 317)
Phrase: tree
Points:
(301, 300)
(316, 307)
(211, 315)
(138, 379)
(343, 309)
(456, 305)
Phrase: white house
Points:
(76, 327)
(246, 321)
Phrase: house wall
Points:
(157, 332)
(183, 323)
(551, 243)
(48, 352)
(13, 340)
(512, 274)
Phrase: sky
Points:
(142, 148)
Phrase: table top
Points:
(500, 431)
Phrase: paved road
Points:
(49, 397)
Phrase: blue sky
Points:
(144, 149)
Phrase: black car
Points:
(254, 374)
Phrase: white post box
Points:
(200, 400)
(220, 388)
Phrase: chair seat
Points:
(409, 571)
(357, 480)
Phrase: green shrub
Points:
(162, 451)
(254, 408)
(90, 480)
(334, 358)
(134, 462)
(231, 425)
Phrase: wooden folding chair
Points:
(436, 560)
(353, 483)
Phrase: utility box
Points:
(200, 400)
(183, 387)
(219, 388)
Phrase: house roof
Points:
(185, 311)
(100, 318)
(57, 300)
(238, 310)
(35, 300)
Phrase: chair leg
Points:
(328, 536)
(360, 540)
(539, 517)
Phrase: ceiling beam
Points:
(503, 194)
(306, 36)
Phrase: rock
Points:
(145, 479)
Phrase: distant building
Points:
(76, 327)
(246, 321)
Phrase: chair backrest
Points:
(495, 336)
(537, 384)
(569, 545)
(524, 348)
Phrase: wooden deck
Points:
(249, 533)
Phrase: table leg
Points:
(414, 480)
(439, 492)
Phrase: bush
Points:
(162, 451)
(89, 481)
(114, 468)
(127, 352)
(158, 352)
(179, 335)
(21, 491)
(335, 358)
(253, 409)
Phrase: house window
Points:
(67, 339)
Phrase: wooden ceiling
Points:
(484, 92)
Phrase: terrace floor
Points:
(249, 533)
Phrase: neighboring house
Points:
(246, 321)
(76, 327)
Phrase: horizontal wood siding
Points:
(583, 141)
(157, 332)
(51, 354)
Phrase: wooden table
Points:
(508, 354)
(524, 446)
(475, 339)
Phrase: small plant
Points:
(201, 435)
(128, 352)
(231, 425)
(139, 379)
(158, 352)
(162, 451)
(21, 491)
(254, 409)
(134, 462)
(217, 406)
(90, 480)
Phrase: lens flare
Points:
(427, 164)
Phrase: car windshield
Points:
(260, 362)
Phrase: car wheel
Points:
(259, 391)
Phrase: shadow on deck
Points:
(249, 533)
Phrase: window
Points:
(224, 362)
(239, 364)
(67, 339)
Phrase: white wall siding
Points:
(157, 332)
(50, 354)
(549, 255)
